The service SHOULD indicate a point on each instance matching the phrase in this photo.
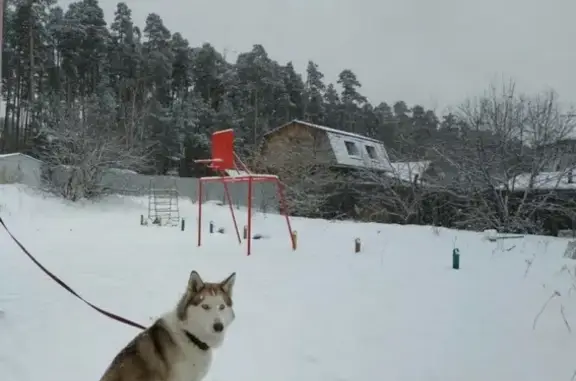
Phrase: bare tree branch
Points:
(396, 195)
(308, 183)
(501, 153)
(80, 146)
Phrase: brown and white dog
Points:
(178, 346)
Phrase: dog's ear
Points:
(228, 284)
(195, 283)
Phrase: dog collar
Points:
(199, 343)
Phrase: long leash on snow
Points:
(68, 288)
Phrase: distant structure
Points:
(299, 141)
(163, 208)
(20, 168)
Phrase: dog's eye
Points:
(206, 307)
(221, 306)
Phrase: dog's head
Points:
(205, 310)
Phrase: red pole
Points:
(1, 44)
(249, 215)
(284, 210)
(199, 211)
(229, 200)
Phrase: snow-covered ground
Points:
(396, 311)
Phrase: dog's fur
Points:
(178, 346)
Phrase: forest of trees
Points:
(149, 86)
(77, 90)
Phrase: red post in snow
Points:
(1, 44)
(200, 200)
(249, 235)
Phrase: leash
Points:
(68, 288)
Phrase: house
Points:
(304, 143)
(559, 155)
(543, 181)
(20, 168)
(420, 172)
(558, 169)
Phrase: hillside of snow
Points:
(396, 311)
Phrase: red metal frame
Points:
(224, 161)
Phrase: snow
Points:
(362, 159)
(17, 155)
(406, 171)
(544, 181)
(122, 171)
(325, 128)
(395, 311)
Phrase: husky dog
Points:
(178, 346)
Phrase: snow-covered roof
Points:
(122, 171)
(18, 154)
(361, 153)
(544, 181)
(405, 171)
(324, 128)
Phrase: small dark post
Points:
(211, 227)
(142, 219)
(182, 225)
(456, 259)
(357, 245)
(245, 232)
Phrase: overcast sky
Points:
(430, 52)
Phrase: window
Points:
(371, 151)
(352, 149)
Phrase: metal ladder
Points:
(163, 208)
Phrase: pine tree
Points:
(149, 88)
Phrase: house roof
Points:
(543, 181)
(405, 171)
(323, 128)
(15, 154)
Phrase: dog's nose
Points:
(218, 327)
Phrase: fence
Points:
(18, 168)
(264, 196)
